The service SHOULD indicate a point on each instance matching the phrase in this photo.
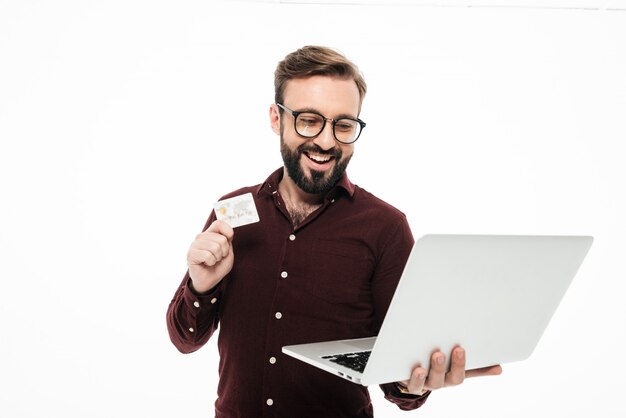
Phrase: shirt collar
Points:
(271, 184)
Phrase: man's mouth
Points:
(319, 158)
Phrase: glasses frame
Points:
(295, 114)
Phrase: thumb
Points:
(222, 228)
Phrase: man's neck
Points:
(300, 204)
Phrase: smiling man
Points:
(315, 158)
(321, 264)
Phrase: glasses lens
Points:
(309, 124)
(347, 130)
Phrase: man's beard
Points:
(317, 184)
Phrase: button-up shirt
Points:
(330, 277)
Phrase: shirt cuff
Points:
(198, 302)
(404, 401)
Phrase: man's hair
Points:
(315, 60)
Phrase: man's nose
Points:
(326, 139)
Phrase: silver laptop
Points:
(494, 295)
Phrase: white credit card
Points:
(237, 211)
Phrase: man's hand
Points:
(210, 256)
(422, 382)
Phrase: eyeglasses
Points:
(311, 124)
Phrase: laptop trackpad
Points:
(361, 343)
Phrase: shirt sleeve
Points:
(394, 252)
(404, 401)
(191, 317)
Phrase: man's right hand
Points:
(210, 256)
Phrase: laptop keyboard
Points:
(354, 361)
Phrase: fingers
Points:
(212, 245)
(437, 375)
(210, 256)
(456, 375)
(208, 250)
(417, 381)
(206, 257)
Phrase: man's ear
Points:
(275, 118)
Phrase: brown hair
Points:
(315, 60)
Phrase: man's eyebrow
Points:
(308, 110)
(313, 110)
(345, 115)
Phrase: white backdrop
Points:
(122, 121)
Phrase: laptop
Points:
(494, 295)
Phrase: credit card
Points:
(237, 211)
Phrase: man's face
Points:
(316, 164)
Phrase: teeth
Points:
(319, 158)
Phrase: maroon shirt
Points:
(332, 277)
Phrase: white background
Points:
(122, 121)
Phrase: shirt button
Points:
(213, 300)
(190, 329)
(196, 304)
(292, 237)
(332, 201)
(278, 315)
(272, 360)
(284, 274)
(269, 402)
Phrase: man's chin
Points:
(316, 182)
(315, 175)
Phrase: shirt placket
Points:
(279, 312)
(276, 324)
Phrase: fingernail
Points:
(421, 376)
(440, 360)
(460, 354)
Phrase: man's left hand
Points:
(422, 381)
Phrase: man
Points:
(322, 263)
